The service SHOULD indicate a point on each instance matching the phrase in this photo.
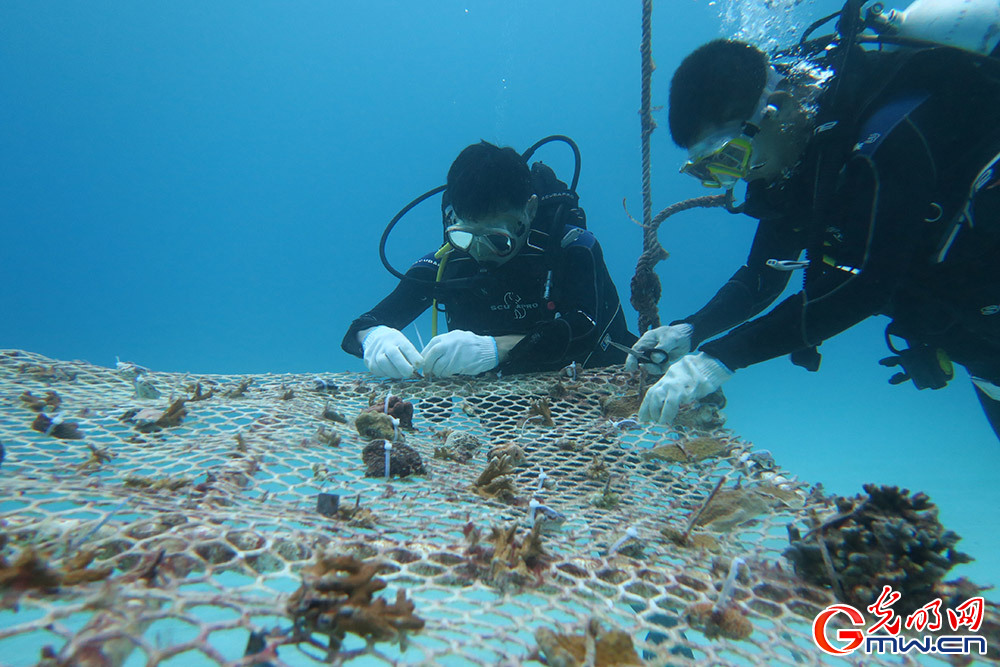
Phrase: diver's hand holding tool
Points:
(691, 377)
(660, 347)
(388, 353)
(459, 353)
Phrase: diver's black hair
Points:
(485, 179)
(717, 83)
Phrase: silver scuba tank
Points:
(973, 25)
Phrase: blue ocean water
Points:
(201, 187)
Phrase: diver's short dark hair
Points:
(485, 179)
(717, 83)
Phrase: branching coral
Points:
(337, 597)
(239, 391)
(497, 480)
(502, 560)
(32, 571)
(197, 394)
(38, 404)
(540, 411)
(887, 537)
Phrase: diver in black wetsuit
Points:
(523, 283)
(886, 175)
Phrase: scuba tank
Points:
(971, 25)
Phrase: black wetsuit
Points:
(581, 314)
(883, 184)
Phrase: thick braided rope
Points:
(645, 284)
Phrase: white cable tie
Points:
(727, 588)
(631, 533)
(54, 421)
(388, 449)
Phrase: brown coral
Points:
(395, 407)
(503, 560)
(497, 481)
(150, 420)
(886, 537)
(77, 570)
(57, 429)
(458, 446)
(239, 391)
(326, 436)
(197, 394)
(337, 597)
(685, 451)
(331, 414)
(513, 452)
(31, 571)
(619, 407)
(598, 470)
(376, 426)
(403, 460)
(156, 483)
(727, 621)
(610, 648)
(38, 404)
(98, 457)
(540, 411)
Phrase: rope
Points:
(645, 112)
(645, 283)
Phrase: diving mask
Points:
(722, 159)
(493, 240)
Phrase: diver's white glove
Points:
(388, 353)
(459, 353)
(691, 377)
(669, 343)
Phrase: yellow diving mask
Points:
(721, 159)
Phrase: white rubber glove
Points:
(459, 353)
(693, 376)
(674, 341)
(388, 353)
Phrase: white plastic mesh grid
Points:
(209, 523)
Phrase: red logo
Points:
(883, 636)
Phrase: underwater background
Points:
(202, 186)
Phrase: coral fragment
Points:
(337, 597)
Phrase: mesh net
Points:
(142, 534)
